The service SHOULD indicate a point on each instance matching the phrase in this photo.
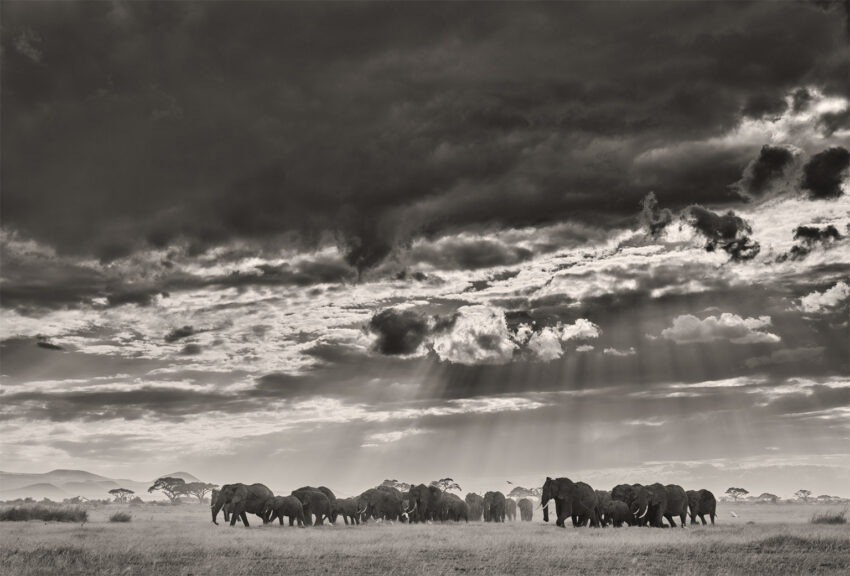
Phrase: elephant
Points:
(657, 501)
(701, 502)
(526, 510)
(603, 497)
(617, 512)
(453, 508)
(349, 509)
(240, 499)
(381, 504)
(626, 493)
(314, 502)
(331, 498)
(424, 502)
(476, 506)
(510, 509)
(572, 499)
(281, 506)
(494, 507)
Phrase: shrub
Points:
(121, 517)
(55, 513)
(830, 517)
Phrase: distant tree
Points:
(736, 493)
(446, 484)
(121, 494)
(521, 492)
(826, 498)
(198, 489)
(803, 495)
(402, 486)
(768, 497)
(173, 488)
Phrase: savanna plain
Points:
(180, 540)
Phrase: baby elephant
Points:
(617, 513)
(281, 506)
(349, 509)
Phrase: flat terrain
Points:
(765, 539)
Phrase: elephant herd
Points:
(629, 504)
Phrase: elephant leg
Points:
(233, 518)
(670, 520)
(711, 515)
(244, 517)
(279, 518)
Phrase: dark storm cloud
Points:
(191, 350)
(42, 342)
(824, 172)
(163, 403)
(469, 254)
(206, 122)
(399, 331)
(765, 105)
(769, 166)
(179, 333)
(652, 216)
(810, 237)
(727, 231)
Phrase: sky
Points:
(335, 243)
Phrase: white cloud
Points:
(546, 344)
(584, 348)
(824, 301)
(614, 352)
(389, 437)
(582, 329)
(479, 336)
(688, 329)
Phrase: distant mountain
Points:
(60, 484)
(184, 475)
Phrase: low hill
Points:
(60, 484)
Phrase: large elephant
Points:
(572, 499)
(510, 509)
(349, 509)
(423, 503)
(331, 498)
(657, 501)
(238, 500)
(476, 506)
(626, 493)
(494, 507)
(616, 512)
(381, 504)
(453, 508)
(701, 502)
(526, 510)
(603, 497)
(288, 506)
(314, 502)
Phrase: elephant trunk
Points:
(214, 509)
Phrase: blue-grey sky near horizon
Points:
(339, 242)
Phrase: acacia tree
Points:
(198, 489)
(121, 494)
(803, 495)
(768, 497)
(736, 493)
(174, 488)
(446, 484)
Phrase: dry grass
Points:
(829, 517)
(181, 541)
(43, 512)
(121, 516)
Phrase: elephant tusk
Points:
(645, 512)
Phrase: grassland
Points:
(764, 539)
